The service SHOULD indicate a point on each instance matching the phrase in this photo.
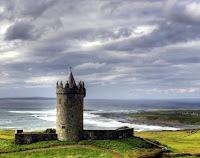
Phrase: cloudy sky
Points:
(120, 48)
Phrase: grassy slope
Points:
(169, 117)
(129, 147)
(62, 153)
(177, 141)
(7, 134)
(8, 145)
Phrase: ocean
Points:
(40, 113)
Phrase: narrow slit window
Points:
(59, 101)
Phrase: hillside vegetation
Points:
(128, 147)
(187, 141)
(180, 144)
(191, 117)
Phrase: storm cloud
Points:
(21, 31)
(120, 48)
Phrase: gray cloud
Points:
(146, 48)
(21, 31)
(183, 11)
(165, 34)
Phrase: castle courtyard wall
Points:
(106, 134)
(28, 138)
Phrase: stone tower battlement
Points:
(69, 97)
(77, 88)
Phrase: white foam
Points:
(34, 112)
(95, 121)
(107, 123)
(7, 127)
(5, 122)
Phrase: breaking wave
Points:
(94, 121)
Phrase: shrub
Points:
(50, 130)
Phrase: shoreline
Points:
(123, 118)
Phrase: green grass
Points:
(7, 134)
(176, 141)
(185, 157)
(128, 147)
(62, 153)
(169, 116)
(9, 146)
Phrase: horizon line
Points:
(100, 98)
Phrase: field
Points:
(128, 147)
(183, 144)
(191, 117)
(178, 142)
(62, 152)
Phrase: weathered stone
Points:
(106, 134)
(69, 123)
(28, 138)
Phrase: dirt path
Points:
(114, 153)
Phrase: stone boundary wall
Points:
(28, 138)
(107, 134)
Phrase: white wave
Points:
(35, 112)
(89, 115)
(5, 122)
(98, 122)
(124, 111)
(106, 123)
(51, 118)
(7, 127)
(114, 111)
(95, 121)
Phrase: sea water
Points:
(39, 113)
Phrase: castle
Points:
(69, 103)
(69, 122)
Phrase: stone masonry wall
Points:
(107, 134)
(69, 123)
(28, 138)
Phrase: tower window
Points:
(72, 116)
(59, 101)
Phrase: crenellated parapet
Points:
(65, 88)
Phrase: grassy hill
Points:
(185, 142)
(128, 147)
(188, 117)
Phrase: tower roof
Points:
(71, 80)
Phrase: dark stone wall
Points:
(28, 138)
(106, 134)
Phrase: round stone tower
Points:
(70, 99)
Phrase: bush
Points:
(50, 130)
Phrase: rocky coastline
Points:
(124, 118)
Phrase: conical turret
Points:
(71, 80)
